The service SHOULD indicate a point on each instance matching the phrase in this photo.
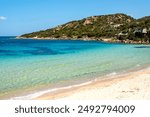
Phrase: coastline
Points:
(133, 85)
(103, 39)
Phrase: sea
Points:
(29, 68)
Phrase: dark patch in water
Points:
(5, 51)
(41, 51)
(8, 53)
(142, 47)
(11, 46)
(38, 51)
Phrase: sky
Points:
(18, 17)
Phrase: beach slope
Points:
(134, 85)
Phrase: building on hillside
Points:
(117, 25)
(144, 31)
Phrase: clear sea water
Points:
(28, 65)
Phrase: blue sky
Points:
(23, 16)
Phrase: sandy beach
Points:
(134, 85)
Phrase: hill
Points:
(114, 28)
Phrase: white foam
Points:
(138, 65)
(40, 93)
(112, 74)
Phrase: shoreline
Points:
(87, 87)
(103, 39)
(134, 85)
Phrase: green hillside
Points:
(114, 28)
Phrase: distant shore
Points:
(103, 39)
(134, 85)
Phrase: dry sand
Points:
(134, 85)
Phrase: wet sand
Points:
(134, 85)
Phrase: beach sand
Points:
(134, 85)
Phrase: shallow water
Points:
(27, 65)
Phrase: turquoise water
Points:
(29, 65)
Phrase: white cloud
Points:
(2, 18)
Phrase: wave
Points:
(40, 93)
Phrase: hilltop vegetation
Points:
(114, 28)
